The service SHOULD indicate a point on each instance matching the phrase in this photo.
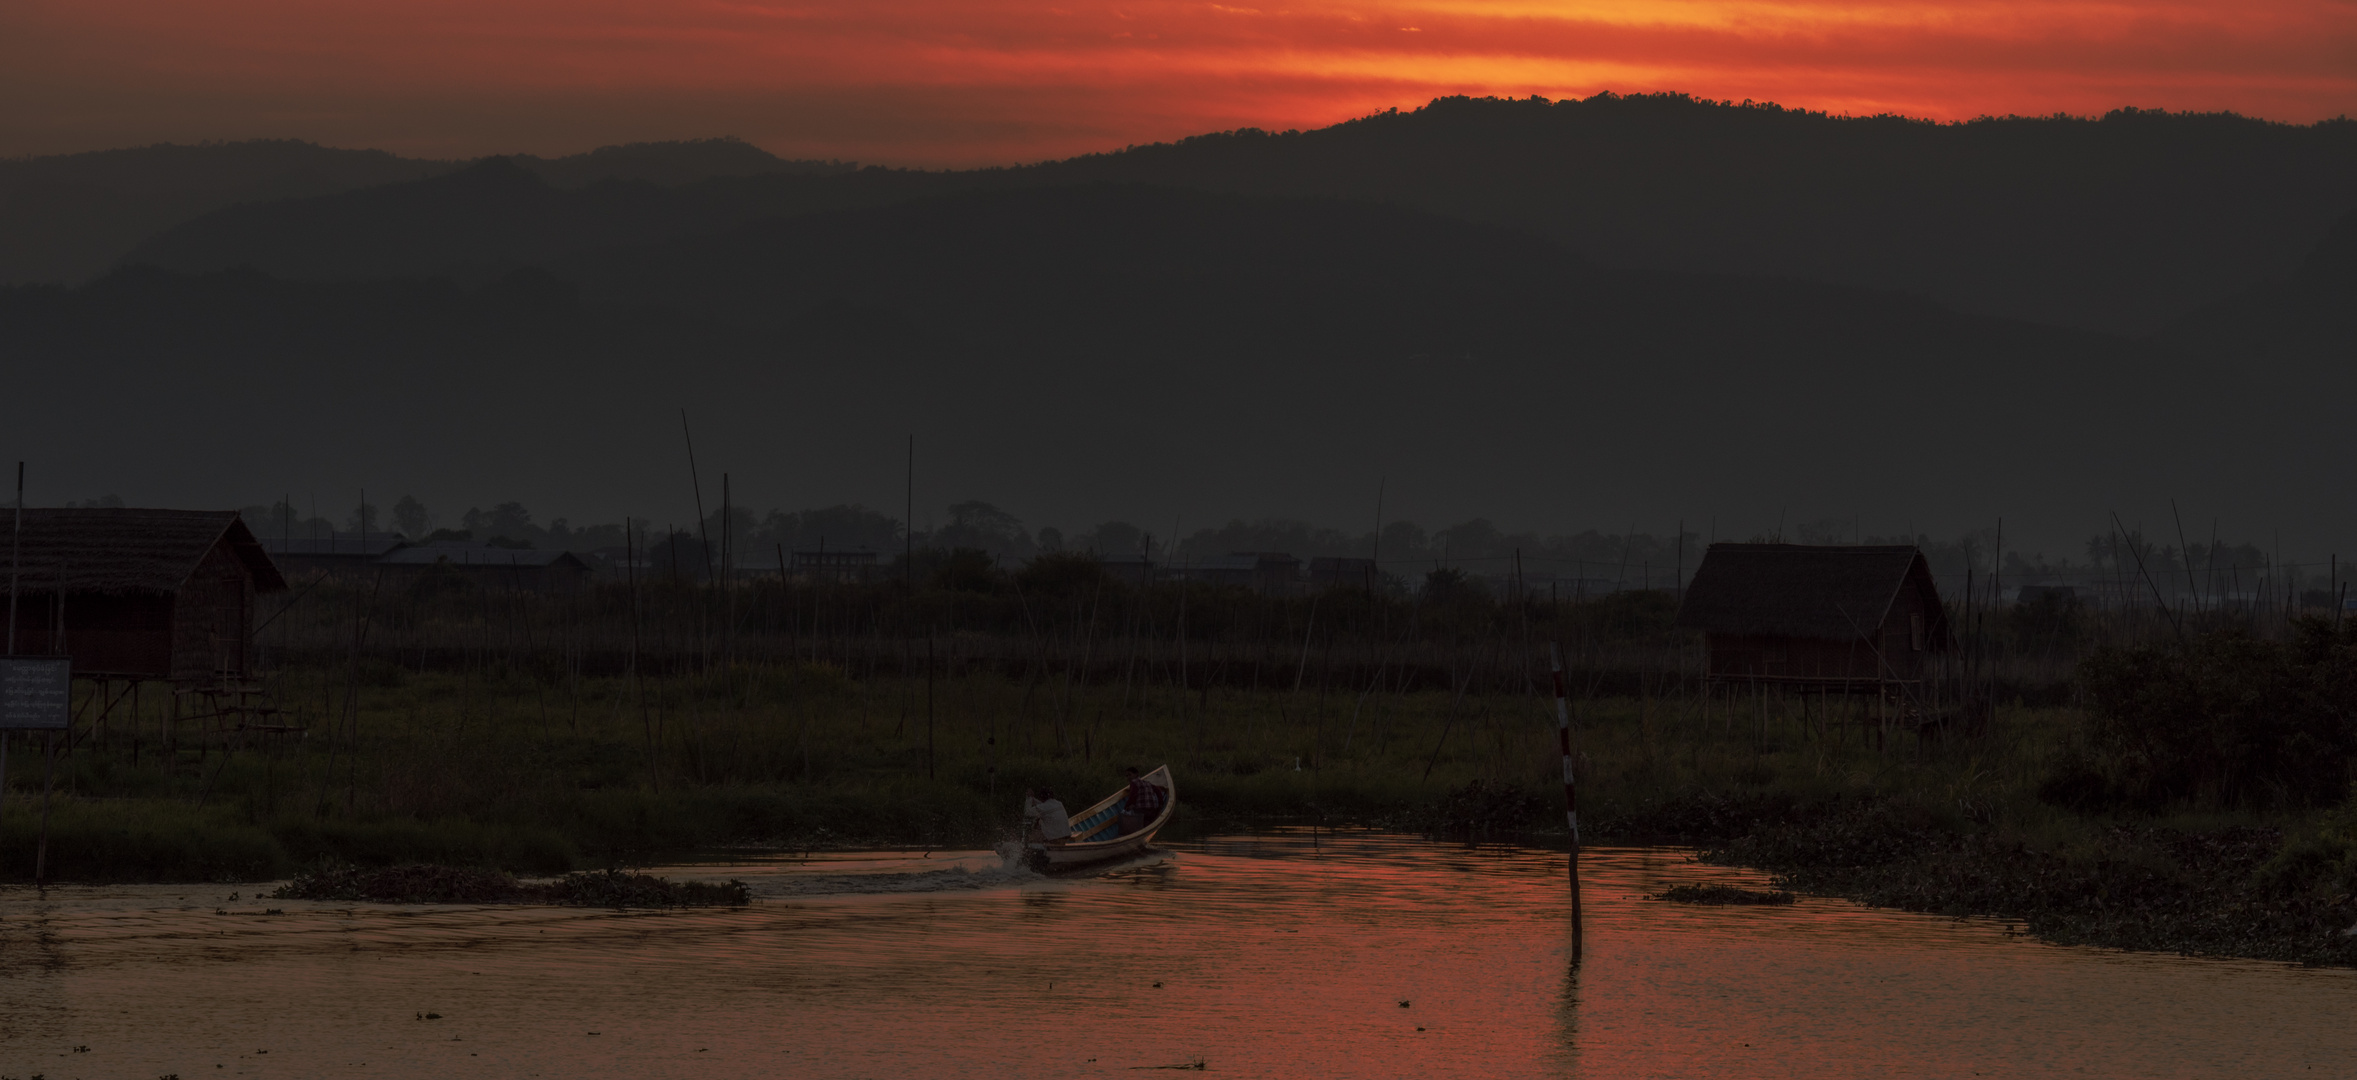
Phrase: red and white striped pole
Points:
(1571, 799)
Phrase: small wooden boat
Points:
(1096, 831)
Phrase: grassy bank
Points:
(502, 770)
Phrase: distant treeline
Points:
(2123, 566)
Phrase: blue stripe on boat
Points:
(1103, 820)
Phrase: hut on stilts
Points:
(137, 596)
(1818, 620)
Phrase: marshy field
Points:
(2148, 779)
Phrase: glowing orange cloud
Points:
(969, 81)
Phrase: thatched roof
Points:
(121, 551)
(1794, 590)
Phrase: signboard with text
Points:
(36, 692)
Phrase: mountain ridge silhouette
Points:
(2122, 223)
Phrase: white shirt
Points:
(1054, 823)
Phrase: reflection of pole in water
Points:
(1571, 804)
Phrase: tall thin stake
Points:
(928, 704)
(908, 528)
(1571, 802)
(16, 542)
(1678, 586)
(16, 539)
(696, 482)
(728, 570)
(637, 690)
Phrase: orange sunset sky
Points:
(962, 82)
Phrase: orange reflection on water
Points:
(1276, 956)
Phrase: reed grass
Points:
(504, 769)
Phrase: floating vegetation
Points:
(616, 889)
(1723, 894)
(429, 884)
(414, 884)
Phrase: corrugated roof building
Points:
(495, 567)
(336, 553)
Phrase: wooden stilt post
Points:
(1571, 803)
(48, 780)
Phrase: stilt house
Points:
(137, 594)
(1823, 618)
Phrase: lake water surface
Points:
(1360, 955)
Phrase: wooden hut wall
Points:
(106, 635)
(1906, 634)
(1894, 650)
(213, 618)
(1765, 657)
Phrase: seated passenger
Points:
(1143, 802)
(1044, 818)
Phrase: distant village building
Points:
(523, 569)
(1816, 617)
(399, 561)
(835, 566)
(2064, 595)
(1134, 570)
(301, 557)
(1564, 587)
(1263, 571)
(140, 594)
(620, 563)
(1327, 571)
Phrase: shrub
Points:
(91, 840)
(2225, 719)
(2324, 858)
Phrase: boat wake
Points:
(966, 872)
(1002, 871)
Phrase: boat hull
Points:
(1094, 823)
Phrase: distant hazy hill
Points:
(672, 164)
(67, 217)
(2120, 224)
(2309, 319)
(1120, 350)
(494, 215)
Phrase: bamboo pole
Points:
(16, 543)
(637, 690)
(928, 704)
(1571, 812)
(15, 552)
